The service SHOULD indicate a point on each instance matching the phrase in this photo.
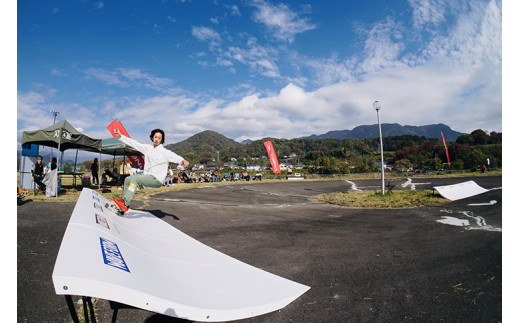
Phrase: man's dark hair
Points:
(153, 133)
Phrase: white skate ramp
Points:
(142, 261)
(460, 191)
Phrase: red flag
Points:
(272, 156)
(116, 126)
(447, 155)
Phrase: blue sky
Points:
(250, 69)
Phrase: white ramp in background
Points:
(143, 261)
(460, 191)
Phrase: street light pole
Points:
(54, 113)
(377, 106)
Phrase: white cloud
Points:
(111, 78)
(136, 75)
(427, 12)
(126, 77)
(383, 47)
(259, 59)
(235, 11)
(283, 22)
(205, 34)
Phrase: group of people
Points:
(210, 176)
(40, 170)
(215, 177)
(112, 176)
(179, 176)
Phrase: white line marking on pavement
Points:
(492, 202)
(412, 185)
(354, 187)
(480, 221)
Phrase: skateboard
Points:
(114, 208)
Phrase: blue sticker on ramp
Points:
(111, 254)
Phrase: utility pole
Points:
(54, 113)
(377, 107)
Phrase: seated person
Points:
(114, 175)
(54, 163)
(108, 173)
(104, 178)
(38, 173)
(118, 178)
(131, 169)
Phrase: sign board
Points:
(460, 190)
(142, 261)
(30, 150)
(26, 165)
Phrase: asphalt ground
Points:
(363, 265)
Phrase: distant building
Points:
(283, 166)
(197, 167)
(379, 164)
(230, 166)
(253, 167)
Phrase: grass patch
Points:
(71, 194)
(372, 199)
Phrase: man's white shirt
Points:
(156, 159)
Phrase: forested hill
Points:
(207, 146)
(393, 129)
(206, 142)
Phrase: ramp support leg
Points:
(87, 302)
(72, 309)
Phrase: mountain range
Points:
(393, 129)
(208, 142)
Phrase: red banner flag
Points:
(447, 155)
(272, 156)
(116, 126)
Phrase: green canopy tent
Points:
(115, 147)
(62, 136)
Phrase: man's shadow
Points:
(160, 214)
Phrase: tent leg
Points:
(115, 180)
(58, 167)
(75, 162)
(99, 169)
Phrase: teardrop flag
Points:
(272, 156)
(447, 155)
(116, 126)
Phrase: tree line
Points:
(343, 156)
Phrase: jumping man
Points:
(156, 160)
